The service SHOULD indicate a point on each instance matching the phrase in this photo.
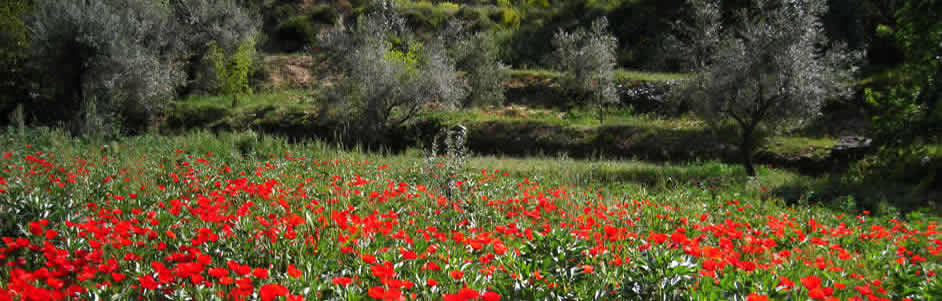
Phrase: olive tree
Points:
(121, 61)
(209, 27)
(476, 56)
(774, 66)
(694, 40)
(120, 54)
(389, 74)
(587, 60)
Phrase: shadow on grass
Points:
(880, 197)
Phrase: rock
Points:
(851, 145)
(848, 149)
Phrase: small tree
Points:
(389, 75)
(587, 60)
(232, 70)
(694, 41)
(476, 56)
(775, 65)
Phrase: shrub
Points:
(232, 70)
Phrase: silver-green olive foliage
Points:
(389, 74)
(773, 66)
(127, 56)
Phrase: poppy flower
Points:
(490, 296)
(343, 281)
(261, 273)
(456, 274)
(383, 270)
(148, 282)
(754, 297)
(293, 272)
(817, 294)
(271, 291)
(469, 294)
(218, 272)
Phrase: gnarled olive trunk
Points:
(746, 149)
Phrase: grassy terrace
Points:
(621, 75)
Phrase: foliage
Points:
(121, 54)
(13, 32)
(233, 70)
(389, 74)
(910, 115)
(694, 41)
(775, 66)
(587, 60)
(202, 23)
(476, 56)
(14, 49)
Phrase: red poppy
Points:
(218, 272)
(148, 282)
(117, 277)
(754, 297)
(294, 272)
(811, 282)
(271, 291)
(343, 281)
(817, 294)
(261, 273)
(456, 274)
(383, 270)
(408, 254)
(491, 296)
(469, 294)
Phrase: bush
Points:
(232, 70)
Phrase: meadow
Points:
(241, 216)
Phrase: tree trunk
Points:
(746, 150)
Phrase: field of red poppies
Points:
(160, 219)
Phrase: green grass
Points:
(576, 130)
(545, 73)
(631, 75)
(621, 75)
(818, 147)
(281, 98)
